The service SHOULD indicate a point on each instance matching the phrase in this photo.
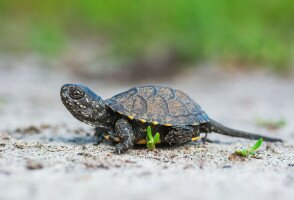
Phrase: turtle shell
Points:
(158, 105)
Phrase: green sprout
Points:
(151, 141)
(271, 124)
(2, 101)
(249, 151)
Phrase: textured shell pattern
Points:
(158, 105)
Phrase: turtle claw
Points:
(119, 149)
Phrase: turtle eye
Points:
(76, 94)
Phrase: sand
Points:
(47, 154)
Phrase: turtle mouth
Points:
(65, 98)
(64, 91)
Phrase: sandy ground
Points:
(46, 154)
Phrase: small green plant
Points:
(151, 141)
(271, 124)
(249, 151)
(2, 101)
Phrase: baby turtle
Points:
(124, 117)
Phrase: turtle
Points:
(123, 118)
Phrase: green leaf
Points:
(240, 152)
(271, 124)
(156, 138)
(257, 145)
(149, 133)
(150, 146)
(245, 152)
(151, 141)
(2, 101)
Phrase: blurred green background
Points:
(254, 32)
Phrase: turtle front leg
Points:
(124, 131)
(99, 134)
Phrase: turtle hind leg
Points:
(179, 135)
(125, 132)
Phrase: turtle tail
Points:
(214, 126)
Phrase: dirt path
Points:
(46, 154)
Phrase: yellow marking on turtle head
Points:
(167, 125)
(131, 117)
(195, 138)
(142, 141)
(142, 120)
(155, 122)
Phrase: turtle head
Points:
(83, 103)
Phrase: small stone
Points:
(90, 165)
(84, 154)
(188, 166)
(173, 156)
(28, 130)
(165, 167)
(32, 165)
(145, 173)
(5, 136)
(236, 157)
(45, 126)
(19, 145)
